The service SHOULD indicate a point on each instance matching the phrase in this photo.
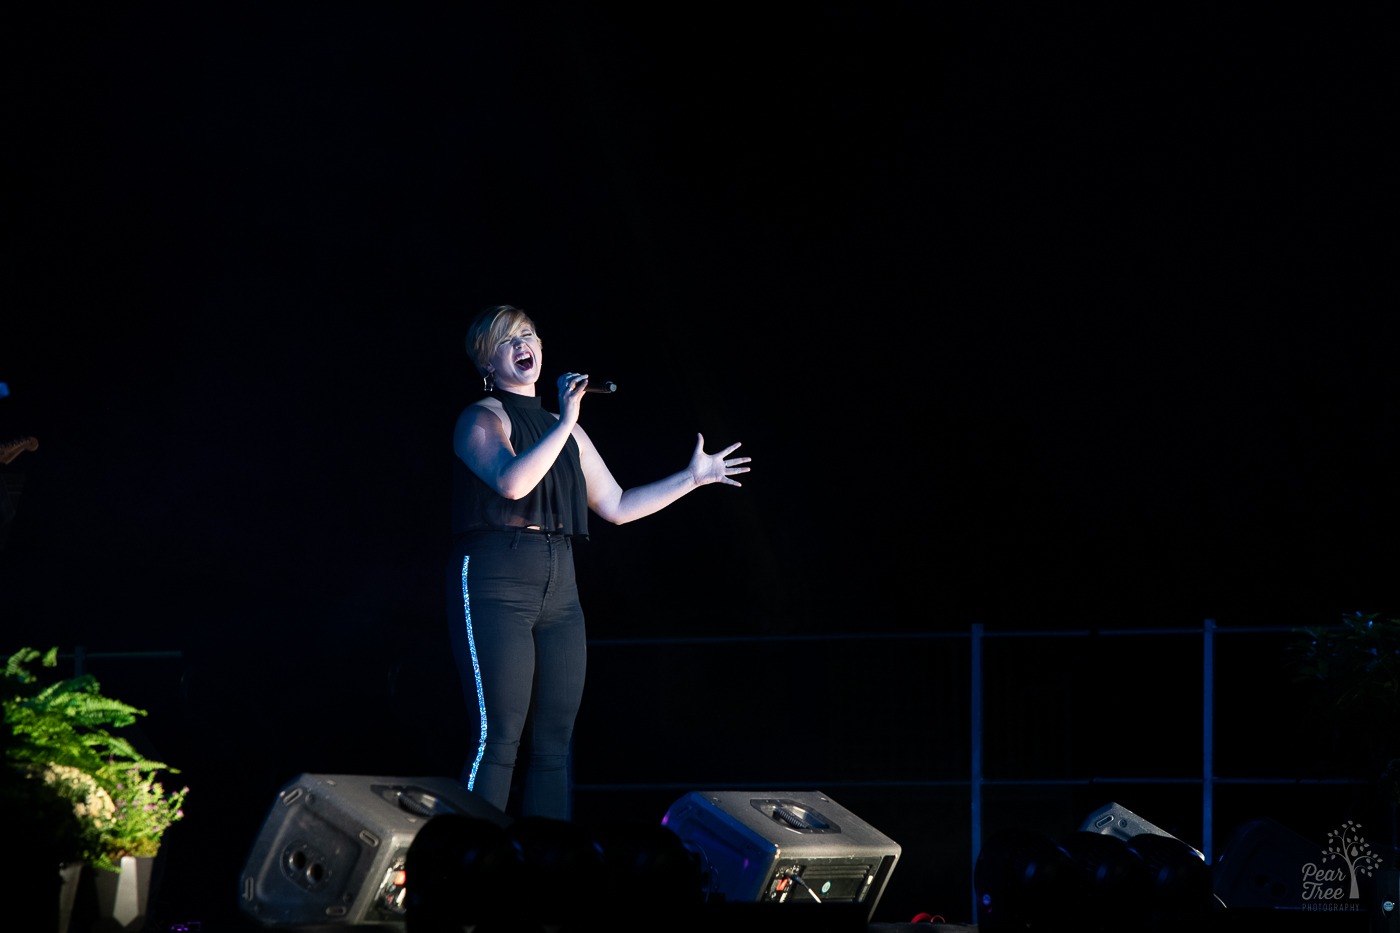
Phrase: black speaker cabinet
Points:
(333, 847)
(784, 847)
(1261, 866)
(1114, 819)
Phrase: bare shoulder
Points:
(487, 413)
(489, 403)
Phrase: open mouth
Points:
(525, 363)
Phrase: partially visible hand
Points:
(717, 467)
(571, 389)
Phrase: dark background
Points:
(1039, 318)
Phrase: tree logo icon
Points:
(1347, 857)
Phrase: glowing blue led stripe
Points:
(476, 673)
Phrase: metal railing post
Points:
(1207, 737)
(975, 740)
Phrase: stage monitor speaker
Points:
(783, 847)
(332, 849)
(1261, 866)
(1114, 819)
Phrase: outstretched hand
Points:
(716, 467)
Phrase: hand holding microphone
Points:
(570, 381)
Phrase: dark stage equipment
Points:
(1113, 882)
(1384, 911)
(541, 873)
(1179, 880)
(1261, 866)
(783, 847)
(463, 871)
(1025, 881)
(1118, 873)
(1114, 819)
(333, 848)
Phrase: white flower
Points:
(91, 803)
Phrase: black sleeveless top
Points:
(559, 503)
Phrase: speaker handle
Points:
(795, 816)
(423, 803)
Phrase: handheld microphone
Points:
(606, 388)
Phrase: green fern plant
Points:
(1353, 667)
(60, 734)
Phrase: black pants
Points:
(519, 643)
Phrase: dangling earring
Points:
(488, 382)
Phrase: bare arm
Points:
(617, 505)
(482, 440)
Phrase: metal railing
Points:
(977, 780)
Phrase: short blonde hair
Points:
(490, 327)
